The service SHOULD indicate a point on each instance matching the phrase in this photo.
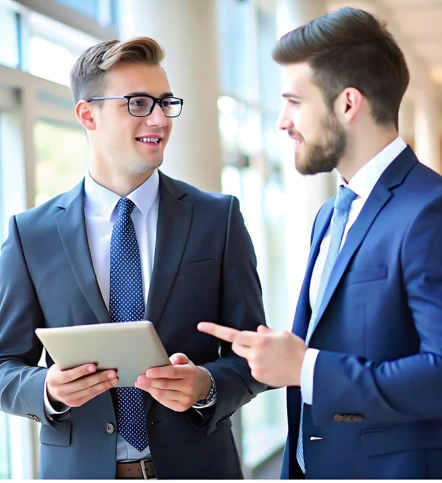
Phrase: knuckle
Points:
(262, 342)
(190, 389)
(84, 384)
(91, 390)
(57, 391)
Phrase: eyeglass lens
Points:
(141, 106)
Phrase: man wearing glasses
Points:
(129, 243)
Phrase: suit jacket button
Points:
(354, 418)
(338, 418)
(110, 428)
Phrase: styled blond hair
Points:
(88, 76)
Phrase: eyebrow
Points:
(289, 95)
(165, 94)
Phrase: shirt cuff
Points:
(49, 410)
(307, 372)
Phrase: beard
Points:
(324, 157)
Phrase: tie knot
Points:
(125, 206)
(344, 199)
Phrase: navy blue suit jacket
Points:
(377, 392)
(204, 269)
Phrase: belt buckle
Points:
(147, 469)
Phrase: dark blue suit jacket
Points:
(204, 269)
(377, 392)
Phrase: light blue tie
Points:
(343, 202)
(127, 303)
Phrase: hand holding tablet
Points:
(131, 348)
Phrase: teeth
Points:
(150, 140)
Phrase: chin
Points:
(301, 167)
(147, 165)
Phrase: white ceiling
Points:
(420, 22)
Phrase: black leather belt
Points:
(142, 470)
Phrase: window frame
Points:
(67, 16)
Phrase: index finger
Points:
(228, 334)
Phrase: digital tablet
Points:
(129, 347)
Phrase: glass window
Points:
(54, 48)
(49, 60)
(103, 11)
(248, 110)
(61, 158)
(268, 69)
(2, 201)
(89, 8)
(235, 47)
(9, 50)
(4, 430)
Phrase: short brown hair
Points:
(350, 48)
(88, 76)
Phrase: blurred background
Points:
(218, 58)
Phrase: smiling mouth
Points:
(149, 140)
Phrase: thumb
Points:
(262, 329)
(177, 359)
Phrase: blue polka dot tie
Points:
(127, 304)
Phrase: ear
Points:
(83, 111)
(349, 104)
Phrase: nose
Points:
(284, 121)
(156, 117)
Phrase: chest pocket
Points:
(364, 276)
(195, 267)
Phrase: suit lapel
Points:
(72, 229)
(393, 176)
(303, 310)
(174, 220)
(355, 237)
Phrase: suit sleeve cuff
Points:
(307, 372)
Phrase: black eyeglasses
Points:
(142, 105)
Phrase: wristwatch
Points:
(211, 397)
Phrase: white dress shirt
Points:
(362, 184)
(100, 215)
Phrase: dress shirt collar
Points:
(365, 179)
(101, 200)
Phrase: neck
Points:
(361, 149)
(121, 184)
